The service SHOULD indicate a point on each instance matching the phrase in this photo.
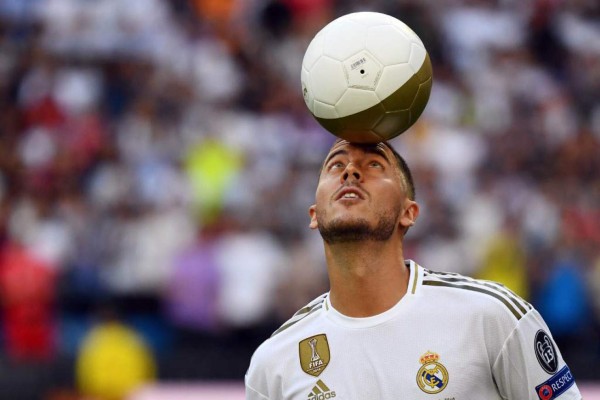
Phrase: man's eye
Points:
(337, 164)
(375, 164)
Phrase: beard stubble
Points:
(341, 230)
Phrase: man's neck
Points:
(367, 278)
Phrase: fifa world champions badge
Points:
(432, 377)
(314, 354)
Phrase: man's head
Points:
(365, 192)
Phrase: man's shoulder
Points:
(287, 333)
(478, 292)
(301, 315)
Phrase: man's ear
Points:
(312, 211)
(410, 214)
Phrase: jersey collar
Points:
(414, 282)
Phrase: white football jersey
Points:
(449, 338)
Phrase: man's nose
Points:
(351, 172)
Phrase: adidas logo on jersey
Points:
(321, 392)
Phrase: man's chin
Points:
(351, 230)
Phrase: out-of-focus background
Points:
(157, 162)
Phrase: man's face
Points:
(361, 195)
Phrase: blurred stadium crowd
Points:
(157, 162)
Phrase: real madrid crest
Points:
(432, 377)
(314, 354)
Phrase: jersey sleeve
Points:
(257, 387)
(253, 394)
(530, 366)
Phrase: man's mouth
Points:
(350, 193)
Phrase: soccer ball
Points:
(366, 77)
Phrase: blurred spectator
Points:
(252, 266)
(193, 289)
(27, 292)
(563, 298)
(148, 242)
(504, 262)
(211, 167)
(113, 361)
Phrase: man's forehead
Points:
(340, 144)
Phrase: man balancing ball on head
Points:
(390, 329)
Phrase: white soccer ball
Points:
(366, 77)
